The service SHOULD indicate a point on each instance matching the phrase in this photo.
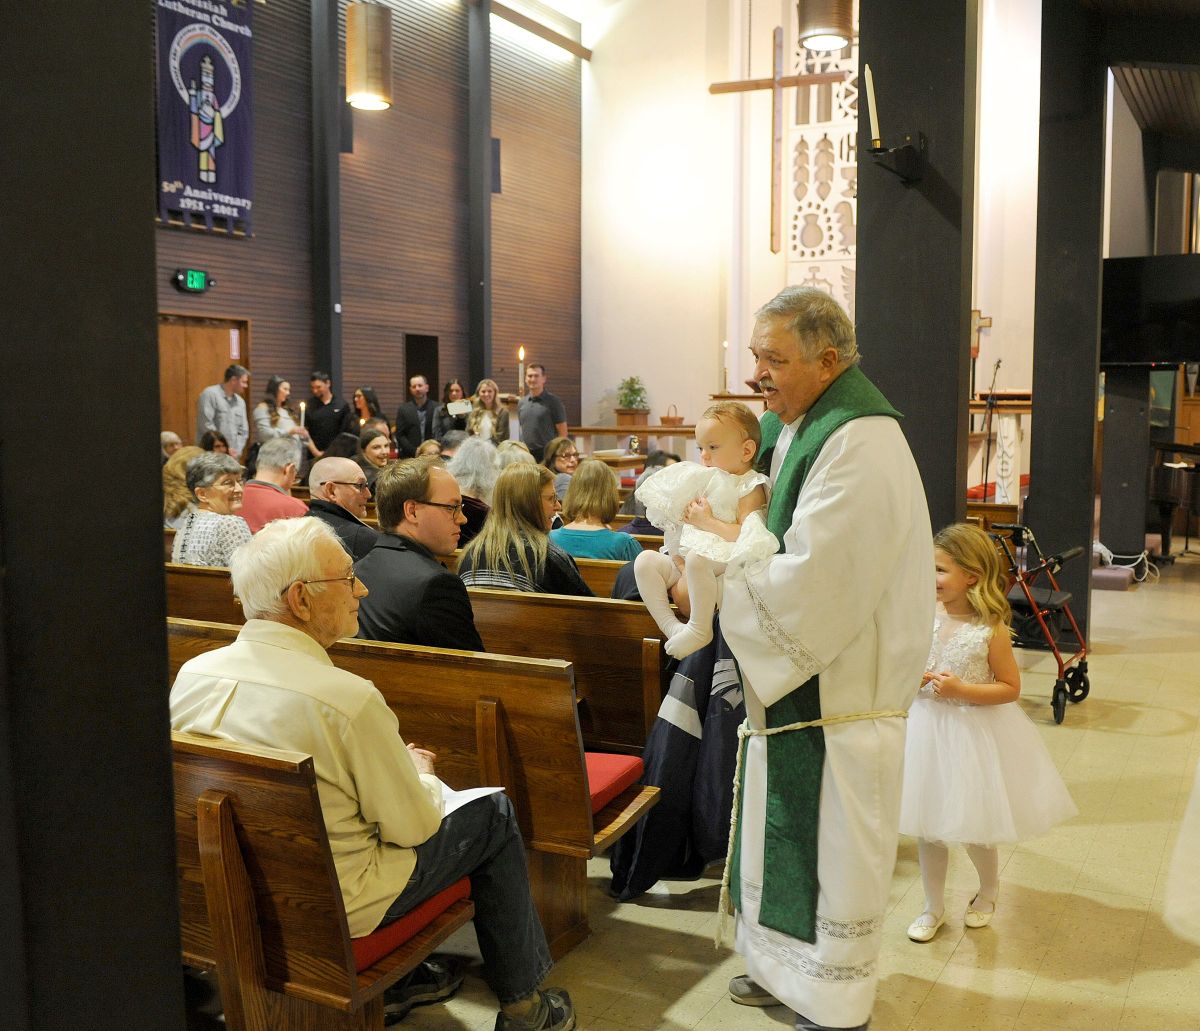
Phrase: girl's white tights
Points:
(935, 858)
(656, 574)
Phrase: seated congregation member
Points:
(562, 459)
(510, 451)
(169, 442)
(213, 528)
(344, 445)
(429, 449)
(338, 494)
(392, 847)
(177, 499)
(443, 421)
(449, 443)
(655, 461)
(488, 418)
(414, 599)
(214, 440)
(475, 467)
(592, 501)
(374, 446)
(513, 550)
(268, 496)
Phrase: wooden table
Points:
(620, 461)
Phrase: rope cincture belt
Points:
(724, 909)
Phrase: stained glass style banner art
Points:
(205, 114)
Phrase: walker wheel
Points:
(1077, 684)
(1058, 701)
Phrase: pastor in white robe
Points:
(852, 599)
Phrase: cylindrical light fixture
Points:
(826, 24)
(369, 56)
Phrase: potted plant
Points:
(632, 405)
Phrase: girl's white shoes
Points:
(979, 914)
(925, 926)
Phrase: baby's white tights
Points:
(656, 574)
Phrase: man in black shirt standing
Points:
(327, 415)
(543, 416)
(414, 419)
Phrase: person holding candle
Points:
(273, 417)
(542, 415)
(326, 415)
(366, 406)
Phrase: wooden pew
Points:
(988, 512)
(492, 720)
(168, 543)
(614, 646)
(598, 573)
(259, 900)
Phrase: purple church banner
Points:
(205, 128)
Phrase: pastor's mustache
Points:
(766, 383)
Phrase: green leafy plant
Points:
(631, 393)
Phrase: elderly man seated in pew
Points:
(413, 598)
(383, 806)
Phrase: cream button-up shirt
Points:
(276, 686)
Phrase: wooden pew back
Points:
(491, 719)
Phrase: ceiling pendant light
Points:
(826, 24)
(369, 56)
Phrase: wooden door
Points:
(193, 353)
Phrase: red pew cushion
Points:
(609, 775)
(371, 948)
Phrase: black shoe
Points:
(435, 980)
(554, 1012)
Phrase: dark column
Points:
(89, 933)
(328, 102)
(479, 191)
(915, 242)
(1123, 496)
(1066, 333)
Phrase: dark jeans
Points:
(482, 841)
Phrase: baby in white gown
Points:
(711, 515)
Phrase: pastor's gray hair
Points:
(279, 453)
(281, 553)
(475, 466)
(204, 470)
(815, 319)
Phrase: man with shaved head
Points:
(338, 494)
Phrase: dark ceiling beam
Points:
(479, 192)
(1167, 42)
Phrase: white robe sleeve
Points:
(793, 615)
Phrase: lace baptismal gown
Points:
(975, 774)
(669, 491)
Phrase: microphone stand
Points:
(987, 429)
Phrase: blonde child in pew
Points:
(975, 770)
(711, 515)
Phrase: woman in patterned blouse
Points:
(212, 530)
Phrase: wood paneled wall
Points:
(266, 278)
(404, 213)
(535, 219)
(404, 209)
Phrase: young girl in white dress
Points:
(975, 770)
(711, 514)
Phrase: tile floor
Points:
(1078, 939)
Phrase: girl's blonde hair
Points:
(176, 496)
(515, 526)
(975, 552)
(594, 491)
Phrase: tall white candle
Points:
(520, 370)
(872, 113)
(302, 415)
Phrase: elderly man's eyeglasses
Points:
(359, 485)
(349, 580)
(454, 509)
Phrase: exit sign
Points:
(192, 280)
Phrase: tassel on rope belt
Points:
(724, 909)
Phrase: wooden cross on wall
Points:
(776, 84)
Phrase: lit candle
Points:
(520, 370)
(302, 415)
(873, 114)
(361, 423)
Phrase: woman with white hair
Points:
(212, 529)
(475, 466)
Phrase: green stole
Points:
(795, 761)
